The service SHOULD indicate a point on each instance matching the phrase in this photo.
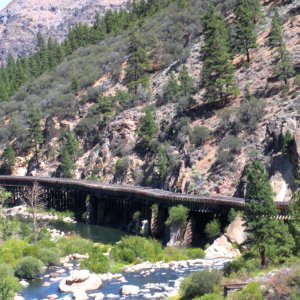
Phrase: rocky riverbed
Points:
(143, 281)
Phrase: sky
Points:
(3, 3)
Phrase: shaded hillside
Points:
(192, 145)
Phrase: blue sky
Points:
(3, 3)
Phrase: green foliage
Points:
(213, 229)
(29, 268)
(178, 215)
(287, 140)
(198, 135)
(162, 161)
(242, 265)
(97, 262)
(148, 126)
(232, 215)
(249, 113)
(199, 283)
(175, 254)
(209, 297)
(218, 72)
(186, 82)
(11, 251)
(73, 245)
(245, 27)
(139, 63)
(294, 222)
(35, 131)
(134, 249)
(71, 144)
(49, 256)
(250, 292)
(297, 80)
(9, 285)
(229, 147)
(75, 86)
(122, 165)
(66, 164)
(260, 210)
(276, 31)
(171, 90)
(9, 157)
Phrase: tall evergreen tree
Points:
(9, 157)
(260, 210)
(283, 68)
(186, 82)
(148, 127)
(71, 144)
(35, 132)
(218, 72)
(276, 31)
(245, 27)
(139, 63)
(171, 89)
(67, 165)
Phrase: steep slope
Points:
(21, 20)
(110, 144)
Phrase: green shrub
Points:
(50, 256)
(194, 253)
(199, 283)
(209, 297)
(11, 251)
(134, 249)
(29, 268)
(9, 284)
(75, 244)
(199, 135)
(97, 262)
(241, 265)
(178, 215)
(297, 80)
(251, 291)
(286, 142)
(229, 147)
(213, 229)
(122, 165)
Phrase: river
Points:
(159, 282)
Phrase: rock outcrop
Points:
(236, 231)
(221, 248)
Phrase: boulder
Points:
(52, 297)
(24, 283)
(129, 290)
(80, 280)
(99, 296)
(221, 248)
(236, 231)
(80, 295)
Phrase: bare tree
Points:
(33, 199)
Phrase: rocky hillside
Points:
(21, 20)
(110, 142)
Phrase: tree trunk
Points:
(262, 253)
(248, 55)
(37, 155)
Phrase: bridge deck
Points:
(161, 195)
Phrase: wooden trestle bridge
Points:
(112, 204)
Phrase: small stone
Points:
(24, 283)
(129, 290)
(52, 297)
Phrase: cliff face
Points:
(21, 20)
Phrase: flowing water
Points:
(159, 280)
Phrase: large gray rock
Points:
(80, 280)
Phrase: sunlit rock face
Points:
(21, 20)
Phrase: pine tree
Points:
(186, 82)
(283, 68)
(260, 210)
(9, 157)
(276, 31)
(171, 89)
(35, 132)
(139, 63)
(218, 72)
(71, 144)
(67, 165)
(148, 127)
(245, 27)
(162, 162)
(75, 86)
